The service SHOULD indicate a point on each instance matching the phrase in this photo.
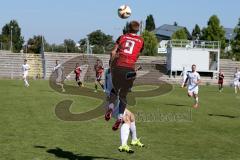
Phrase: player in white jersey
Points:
(236, 80)
(184, 76)
(128, 118)
(25, 69)
(60, 75)
(193, 80)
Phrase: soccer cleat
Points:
(137, 143)
(108, 114)
(117, 124)
(125, 148)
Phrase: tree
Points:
(180, 34)
(150, 43)
(150, 24)
(17, 39)
(236, 41)
(83, 45)
(214, 31)
(70, 46)
(34, 44)
(175, 23)
(100, 41)
(196, 33)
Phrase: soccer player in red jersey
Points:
(77, 72)
(220, 80)
(123, 58)
(99, 72)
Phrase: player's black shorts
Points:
(123, 78)
(98, 77)
(77, 78)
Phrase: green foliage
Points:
(97, 49)
(100, 41)
(236, 42)
(59, 48)
(214, 31)
(196, 33)
(70, 46)
(150, 24)
(150, 43)
(83, 45)
(17, 39)
(180, 34)
(34, 44)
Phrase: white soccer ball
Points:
(124, 11)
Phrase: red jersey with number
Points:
(77, 71)
(130, 46)
(99, 69)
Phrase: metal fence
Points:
(194, 44)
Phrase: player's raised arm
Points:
(114, 53)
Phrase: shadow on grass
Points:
(68, 155)
(222, 115)
(172, 104)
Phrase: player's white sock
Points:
(124, 133)
(120, 116)
(26, 82)
(196, 100)
(133, 130)
(111, 106)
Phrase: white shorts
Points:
(193, 89)
(25, 75)
(236, 83)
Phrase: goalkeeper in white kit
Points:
(25, 69)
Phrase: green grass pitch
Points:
(167, 125)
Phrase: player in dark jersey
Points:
(99, 72)
(77, 72)
(123, 58)
(220, 80)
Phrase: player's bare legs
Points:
(236, 88)
(220, 87)
(61, 85)
(190, 94)
(195, 96)
(98, 81)
(25, 80)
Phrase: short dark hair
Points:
(134, 26)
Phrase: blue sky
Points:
(61, 19)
